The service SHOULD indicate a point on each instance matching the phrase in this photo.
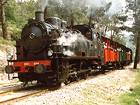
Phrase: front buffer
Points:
(41, 70)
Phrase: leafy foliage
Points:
(134, 7)
(68, 10)
(17, 15)
(6, 42)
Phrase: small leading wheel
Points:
(58, 85)
(67, 81)
(77, 78)
(85, 76)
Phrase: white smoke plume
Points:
(73, 3)
(96, 3)
(68, 38)
(116, 6)
(71, 39)
(41, 4)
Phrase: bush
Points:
(6, 42)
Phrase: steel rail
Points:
(20, 97)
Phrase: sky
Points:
(117, 6)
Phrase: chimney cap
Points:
(39, 15)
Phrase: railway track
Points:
(6, 97)
(11, 96)
(10, 89)
(9, 85)
(20, 93)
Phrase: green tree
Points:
(134, 6)
(3, 18)
(17, 15)
(68, 10)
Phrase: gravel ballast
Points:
(99, 90)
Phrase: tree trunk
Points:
(72, 21)
(89, 23)
(111, 37)
(137, 51)
(3, 23)
(90, 18)
(106, 27)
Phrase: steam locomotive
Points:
(51, 53)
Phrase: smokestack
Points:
(39, 16)
(90, 18)
(45, 13)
